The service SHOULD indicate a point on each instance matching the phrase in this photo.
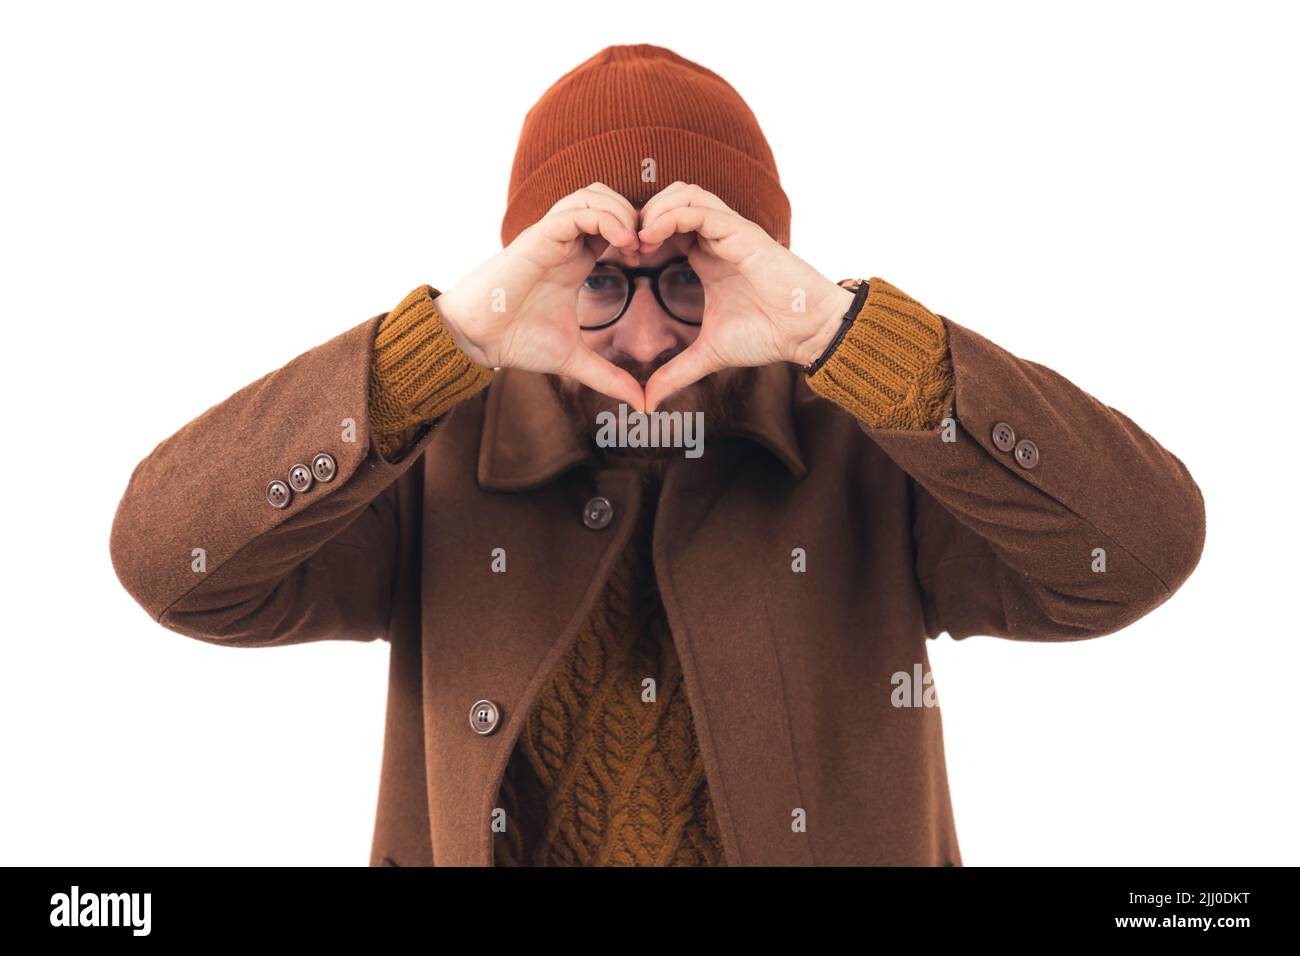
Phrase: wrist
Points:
(825, 327)
(453, 320)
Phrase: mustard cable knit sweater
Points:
(600, 776)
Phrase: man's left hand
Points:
(763, 304)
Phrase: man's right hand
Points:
(519, 309)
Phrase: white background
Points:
(194, 195)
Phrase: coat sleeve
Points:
(1038, 512)
(200, 546)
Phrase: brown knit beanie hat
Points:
(634, 110)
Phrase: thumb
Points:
(686, 368)
(605, 377)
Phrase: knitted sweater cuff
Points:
(892, 369)
(417, 373)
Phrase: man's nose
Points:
(646, 331)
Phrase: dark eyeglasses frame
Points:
(653, 272)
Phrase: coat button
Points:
(300, 478)
(278, 493)
(323, 467)
(1004, 436)
(598, 513)
(1026, 453)
(484, 717)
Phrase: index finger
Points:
(680, 194)
(628, 215)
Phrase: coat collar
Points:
(527, 439)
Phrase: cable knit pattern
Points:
(600, 777)
(417, 372)
(892, 368)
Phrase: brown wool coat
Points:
(793, 678)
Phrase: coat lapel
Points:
(528, 439)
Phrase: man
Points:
(611, 651)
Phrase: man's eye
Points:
(597, 279)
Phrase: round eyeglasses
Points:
(607, 292)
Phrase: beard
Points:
(716, 395)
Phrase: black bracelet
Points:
(849, 316)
